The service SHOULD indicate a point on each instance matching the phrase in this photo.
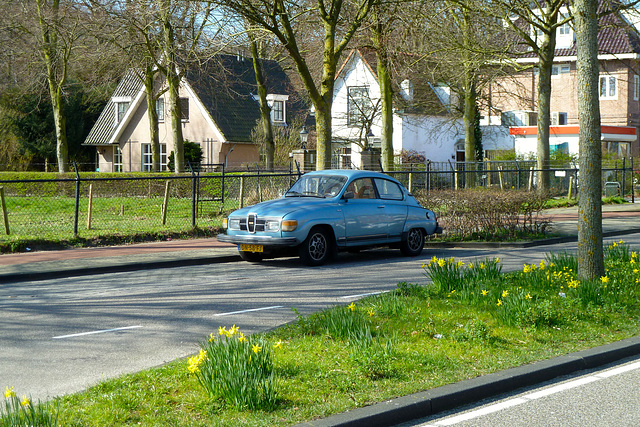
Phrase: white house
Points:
(429, 129)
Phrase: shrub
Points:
(487, 214)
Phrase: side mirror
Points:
(348, 195)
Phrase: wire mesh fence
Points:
(48, 206)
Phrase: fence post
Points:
(194, 198)
(531, 178)
(500, 177)
(77, 207)
(570, 187)
(90, 207)
(165, 202)
(241, 192)
(624, 174)
(410, 182)
(633, 184)
(5, 214)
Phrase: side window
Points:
(388, 189)
(362, 189)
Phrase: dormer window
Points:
(278, 104)
(121, 104)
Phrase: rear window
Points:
(388, 189)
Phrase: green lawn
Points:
(462, 321)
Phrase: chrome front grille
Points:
(252, 223)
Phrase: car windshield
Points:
(317, 186)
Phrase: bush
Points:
(487, 215)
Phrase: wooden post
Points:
(165, 202)
(90, 208)
(531, 178)
(241, 192)
(570, 187)
(500, 177)
(5, 214)
(410, 182)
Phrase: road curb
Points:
(116, 268)
(430, 402)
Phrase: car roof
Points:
(350, 173)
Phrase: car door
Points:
(364, 223)
(392, 207)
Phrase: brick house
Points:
(513, 101)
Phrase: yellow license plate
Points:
(251, 248)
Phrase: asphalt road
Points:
(606, 397)
(64, 335)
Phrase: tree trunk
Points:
(386, 94)
(265, 110)
(152, 115)
(470, 111)
(590, 252)
(544, 106)
(56, 64)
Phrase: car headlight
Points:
(272, 225)
(289, 225)
(233, 224)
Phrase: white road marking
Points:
(363, 295)
(96, 332)
(532, 396)
(249, 310)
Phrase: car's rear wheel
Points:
(414, 243)
(316, 249)
(251, 256)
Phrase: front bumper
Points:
(266, 241)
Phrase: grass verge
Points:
(465, 320)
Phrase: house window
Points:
(564, 29)
(121, 109)
(160, 109)
(556, 70)
(636, 87)
(117, 159)
(359, 105)
(560, 148)
(147, 157)
(608, 87)
(184, 107)
(277, 111)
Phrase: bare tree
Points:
(590, 251)
(336, 22)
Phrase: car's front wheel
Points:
(316, 249)
(251, 256)
(414, 243)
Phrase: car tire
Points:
(414, 243)
(251, 256)
(316, 248)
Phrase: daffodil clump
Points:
(454, 278)
(237, 369)
(546, 293)
(21, 411)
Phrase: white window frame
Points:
(636, 87)
(611, 87)
(557, 70)
(147, 157)
(117, 159)
(184, 109)
(272, 99)
(357, 111)
(160, 109)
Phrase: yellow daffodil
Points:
(371, 313)
(424, 265)
(526, 269)
(241, 337)
(9, 392)
(460, 264)
(256, 348)
(212, 337)
(234, 330)
(471, 265)
(482, 266)
(25, 400)
(505, 294)
(499, 303)
(484, 292)
(278, 344)
(528, 296)
(634, 254)
(604, 279)
(352, 306)
(222, 330)
(636, 271)
(442, 262)
(542, 265)
(497, 260)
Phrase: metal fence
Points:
(97, 205)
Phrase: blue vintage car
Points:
(329, 211)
